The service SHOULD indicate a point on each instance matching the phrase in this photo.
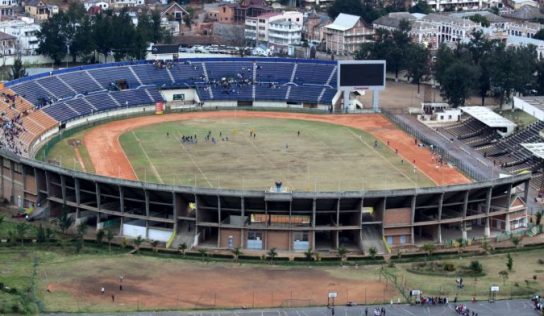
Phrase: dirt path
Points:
(109, 159)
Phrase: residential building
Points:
(524, 13)
(40, 10)
(7, 8)
(455, 5)
(278, 30)
(25, 31)
(8, 44)
(103, 5)
(346, 34)
(313, 28)
(118, 4)
(250, 8)
(174, 12)
(517, 4)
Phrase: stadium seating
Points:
(46, 99)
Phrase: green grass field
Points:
(64, 153)
(324, 157)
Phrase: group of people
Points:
(193, 139)
(434, 300)
(163, 64)
(463, 310)
(12, 127)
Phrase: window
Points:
(402, 240)
(178, 96)
(254, 235)
(389, 240)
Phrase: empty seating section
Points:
(151, 75)
(55, 86)
(218, 70)
(102, 101)
(31, 91)
(309, 73)
(274, 72)
(187, 72)
(243, 93)
(268, 93)
(109, 75)
(308, 94)
(80, 81)
(328, 96)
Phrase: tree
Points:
(419, 66)
(83, 44)
(460, 244)
(100, 234)
(509, 262)
(309, 254)
(137, 243)
(457, 82)
(236, 252)
(18, 70)
(65, 221)
(272, 254)
(182, 248)
(21, 230)
(421, 7)
(188, 18)
(504, 276)
(516, 241)
(539, 35)
(81, 231)
(538, 218)
(51, 38)
(476, 266)
(478, 18)
(109, 238)
(342, 252)
(372, 251)
(429, 248)
(155, 245)
(203, 253)
(43, 234)
(2, 218)
(353, 7)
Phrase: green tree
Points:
(353, 7)
(188, 18)
(516, 241)
(372, 251)
(457, 82)
(83, 44)
(21, 229)
(18, 70)
(418, 68)
(539, 35)
(342, 252)
(182, 248)
(429, 248)
(51, 38)
(504, 276)
(109, 238)
(476, 266)
(103, 33)
(236, 252)
(272, 254)
(309, 254)
(509, 262)
(137, 243)
(100, 234)
(203, 253)
(65, 221)
(478, 18)
(421, 7)
(155, 245)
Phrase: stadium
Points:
(250, 153)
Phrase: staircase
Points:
(149, 95)
(288, 93)
(170, 75)
(333, 72)
(207, 79)
(372, 238)
(184, 236)
(321, 95)
(293, 74)
(135, 75)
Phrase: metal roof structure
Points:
(487, 116)
(537, 149)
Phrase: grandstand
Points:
(47, 100)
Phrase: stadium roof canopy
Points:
(537, 149)
(532, 105)
(487, 116)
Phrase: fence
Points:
(438, 148)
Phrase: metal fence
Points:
(437, 147)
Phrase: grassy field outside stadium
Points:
(324, 157)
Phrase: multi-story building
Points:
(275, 29)
(25, 31)
(454, 5)
(8, 44)
(117, 4)
(7, 8)
(346, 34)
(40, 10)
(314, 25)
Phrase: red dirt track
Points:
(109, 159)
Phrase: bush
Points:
(450, 267)
(540, 261)
(476, 266)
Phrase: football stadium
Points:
(257, 153)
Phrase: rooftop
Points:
(487, 116)
(344, 22)
(536, 149)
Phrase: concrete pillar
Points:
(218, 221)
(375, 101)
(313, 223)
(243, 213)
(413, 207)
(78, 195)
(175, 212)
(487, 228)
(2, 178)
(439, 234)
(12, 179)
(63, 188)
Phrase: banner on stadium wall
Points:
(159, 107)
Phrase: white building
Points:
(103, 5)
(25, 30)
(453, 5)
(7, 8)
(116, 4)
(279, 30)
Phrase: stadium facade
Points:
(46, 105)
